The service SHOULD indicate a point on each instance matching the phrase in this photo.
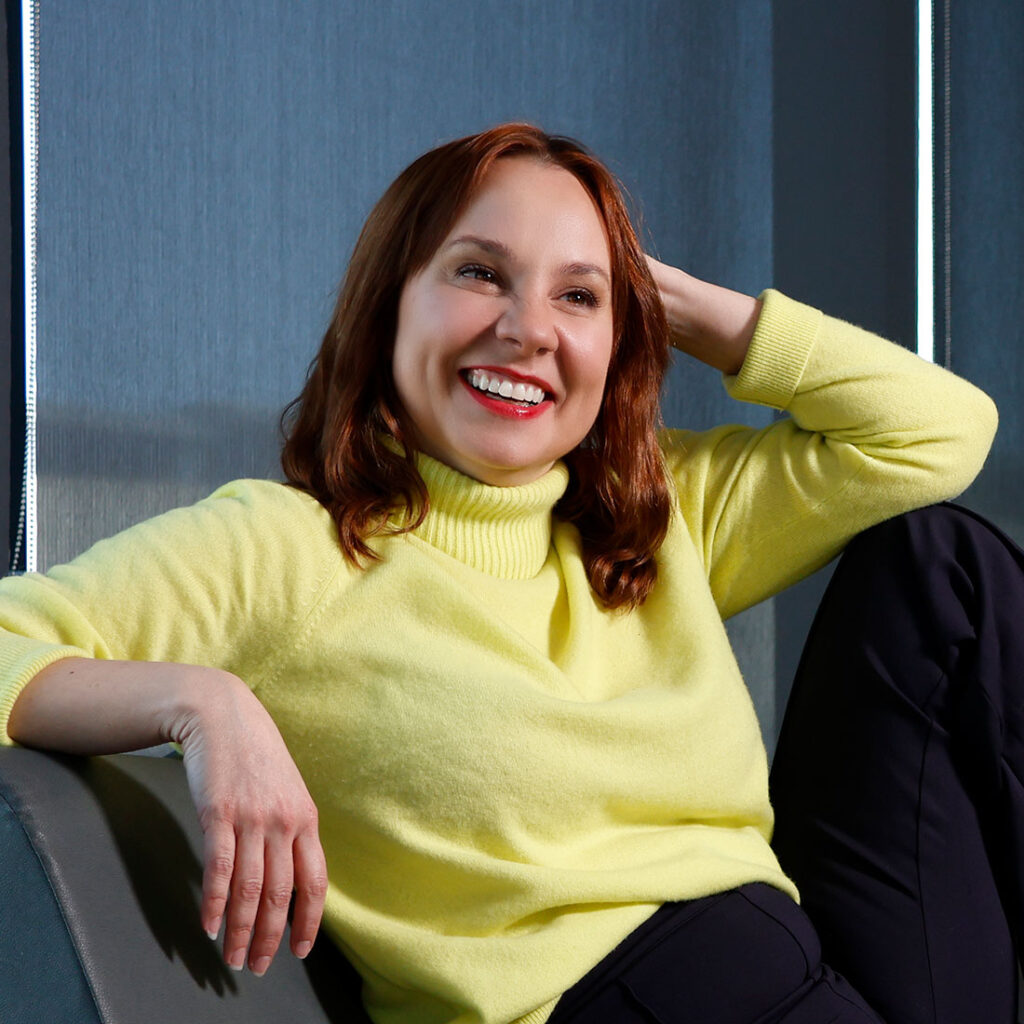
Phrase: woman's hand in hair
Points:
(259, 822)
(710, 323)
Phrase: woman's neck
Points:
(503, 531)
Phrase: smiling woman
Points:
(463, 683)
(509, 253)
(518, 296)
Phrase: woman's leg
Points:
(746, 956)
(897, 783)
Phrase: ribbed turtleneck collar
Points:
(503, 531)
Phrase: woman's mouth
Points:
(498, 386)
(506, 396)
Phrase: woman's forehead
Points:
(522, 202)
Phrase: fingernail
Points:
(214, 929)
(236, 960)
(260, 967)
(302, 949)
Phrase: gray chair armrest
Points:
(100, 878)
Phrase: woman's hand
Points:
(710, 323)
(258, 820)
(259, 825)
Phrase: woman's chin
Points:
(499, 472)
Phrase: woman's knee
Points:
(934, 572)
(934, 535)
(932, 603)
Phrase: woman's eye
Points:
(478, 273)
(581, 297)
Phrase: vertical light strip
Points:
(30, 122)
(925, 186)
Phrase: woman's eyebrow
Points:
(584, 270)
(496, 248)
(490, 245)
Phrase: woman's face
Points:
(505, 336)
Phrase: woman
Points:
(480, 635)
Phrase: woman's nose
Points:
(529, 324)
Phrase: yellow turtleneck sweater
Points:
(511, 779)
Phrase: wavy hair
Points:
(341, 431)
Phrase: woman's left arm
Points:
(872, 431)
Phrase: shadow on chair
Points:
(100, 879)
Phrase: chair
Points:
(100, 878)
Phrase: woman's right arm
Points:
(258, 820)
(103, 654)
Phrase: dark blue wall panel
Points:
(844, 193)
(986, 235)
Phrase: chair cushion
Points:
(101, 862)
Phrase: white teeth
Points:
(516, 390)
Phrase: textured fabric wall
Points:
(986, 236)
(205, 167)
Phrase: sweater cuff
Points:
(779, 349)
(539, 1015)
(21, 659)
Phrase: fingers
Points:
(272, 914)
(218, 869)
(248, 881)
(310, 891)
(246, 889)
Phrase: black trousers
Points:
(899, 802)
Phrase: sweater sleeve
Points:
(218, 583)
(872, 431)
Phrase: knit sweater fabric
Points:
(511, 778)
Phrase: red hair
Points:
(340, 431)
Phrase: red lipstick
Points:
(504, 371)
(502, 406)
